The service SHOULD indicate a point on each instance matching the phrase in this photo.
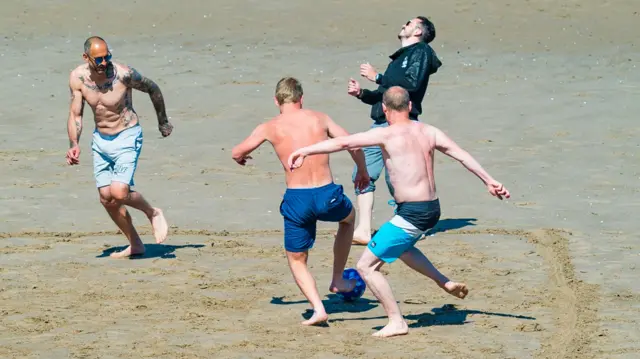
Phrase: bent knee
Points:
(351, 218)
(119, 192)
(297, 256)
(105, 197)
(364, 268)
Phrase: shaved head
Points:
(396, 99)
(95, 43)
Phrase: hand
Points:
(354, 88)
(498, 190)
(366, 70)
(362, 180)
(165, 128)
(296, 159)
(242, 160)
(73, 155)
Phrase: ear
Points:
(85, 57)
(410, 105)
(275, 100)
(301, 100)
(417, 32)
(384, 108)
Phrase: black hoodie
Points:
(410, 69)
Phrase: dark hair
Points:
(396, 99)
(89, 42)
(428, 29)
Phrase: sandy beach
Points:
(543, 94)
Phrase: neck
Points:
(409, 41)
(290, 107)
(396, 118)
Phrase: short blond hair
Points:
(288, 90)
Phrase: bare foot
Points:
(136, 251)
(361, 237)
(316, 319)
(357, 240)
(159, 224)
(456, 289)
(392, 330)
(342, 285)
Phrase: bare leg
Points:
(306, 283)
(121, 192)
(341, 249)
(369, 268)
(415, 259)
(122, 219)
(362, 233)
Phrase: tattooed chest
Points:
(114, 101)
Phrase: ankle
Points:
(151, 213)
(397, 321)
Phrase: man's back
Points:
(408, 150)
(297, 129)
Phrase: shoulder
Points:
(123, 70)
(320, 116)
(264, 128)
(76, 75)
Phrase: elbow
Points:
(235, 153)
(343, 144)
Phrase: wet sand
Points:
(544, 95)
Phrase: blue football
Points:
(358, 291)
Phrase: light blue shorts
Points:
(413, 219)
(115, 157)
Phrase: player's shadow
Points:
(448, 314)
(151, 250)
(450, 224)
(333, 304)
(447, 224)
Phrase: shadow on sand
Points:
(152, 250)
(448, 314)
(447, 224)
(333, 304)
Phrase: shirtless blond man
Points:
(408, 149)
(311, 194)
(117, 139)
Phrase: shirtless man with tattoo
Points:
(117, 139)
(408, 148)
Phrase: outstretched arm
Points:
(240, 152)
(335, 131)
(362, 179)
(74, 123)
(372, 137)
(447, 146)
(133, 79)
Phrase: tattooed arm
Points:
(134, 79)
(74, 123)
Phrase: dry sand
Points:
(544, 94)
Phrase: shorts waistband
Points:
(113, 137)
(421, 214)
(309, 190)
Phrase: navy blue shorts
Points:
(303, 207)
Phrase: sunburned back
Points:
(408, 153)
(291, 131)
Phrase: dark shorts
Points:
(303, 207)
